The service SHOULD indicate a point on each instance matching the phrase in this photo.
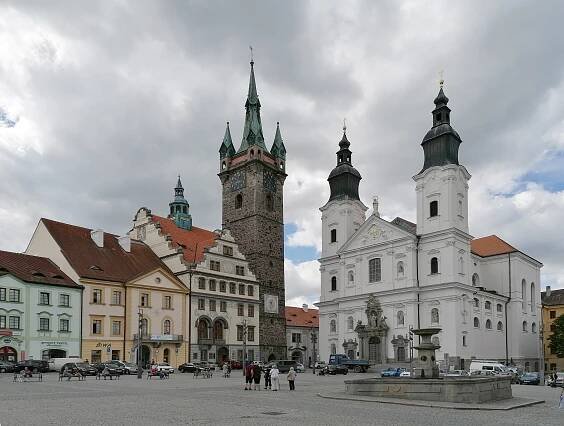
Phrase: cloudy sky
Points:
(103, 103)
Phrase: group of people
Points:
(254, 373)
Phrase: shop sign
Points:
(54, 343)
(163, 337)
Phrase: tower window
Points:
(269, 203)
(333, 283)
(184, 210)
(333, 235)
(433, 208)
(171, 210)
(238, 201)
(434, 265)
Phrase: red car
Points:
(236, 365)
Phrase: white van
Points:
(488, 367)
(55, 364)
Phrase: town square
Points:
(281, 212)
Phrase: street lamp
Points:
(139, 368)
(244, 326)
(411, 351)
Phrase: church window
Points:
(460, 207)
(476, 303)
(281, 165)
(476, 322)
(333, 326)
(401, 318)
(499, 326)
(434, 265)
(488, 305)
(178, 209)
(488, 324)
(333, 235)
(525, 326)
(375, 270)
(333, 283)
(532, 297)
(400, 269)
(463, 340)
(533, 328)
(434, 316)
(184, 210)
(434, 208)
(499, 307)
(238, 201)
(351, 277)
(524, 294)
(475, 280)
(350, 323)
(269, 203)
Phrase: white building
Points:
(302, 333)
(224, 292)
(379, 278)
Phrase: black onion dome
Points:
(344, 178)
(441, 98)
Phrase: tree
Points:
(557, 338)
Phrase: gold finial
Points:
(344, 125)
(441, 78)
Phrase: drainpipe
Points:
(507, 322)
(191, 271)
(81, 304)
(417, 282)
(125, 322)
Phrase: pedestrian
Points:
(274, 378)
(225, 373)
(248, 377)
(561, 405)
(292, 378)
(267, 381)
(256, 376)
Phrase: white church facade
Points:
(379, 278)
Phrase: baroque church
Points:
(381, 278)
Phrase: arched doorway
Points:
(401, 354)
(145, 356)
(271, 357)
(222, 355)
(297, 356)
(8, 354)
(47, 354)
(374, 350)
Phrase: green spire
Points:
(226, 149)
(252, 135)
(278, 148)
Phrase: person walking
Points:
(257, 371)
(274, 378)
(225, 373)
(292, 378)
(248, 377)
(267, 381)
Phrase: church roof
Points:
(406, 225)
(556, 297)
(34, 269)
(299, 317)
(193, 241)
(108, 263)
(491, 246)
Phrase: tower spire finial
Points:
(344, 125)
(252, 60)
(441, 78)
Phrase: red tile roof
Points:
(297, 317)
(34, 269)
(193, 242)
(110, 262)
(491, 246)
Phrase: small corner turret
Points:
(180, 209)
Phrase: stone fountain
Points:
(427, 385)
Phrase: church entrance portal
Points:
(374, 350)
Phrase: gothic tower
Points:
(179, 208)
(253, 181)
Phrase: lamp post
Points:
(410, 351)
(139, 368)
(244, 326)
(313, 342)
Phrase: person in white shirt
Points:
(274, 377)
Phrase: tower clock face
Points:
(269, 181)
(238, 181)
(271, 303)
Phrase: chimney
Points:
(98, 237)
(305, 307)
(547, 294)
(125, 243)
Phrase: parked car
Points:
(127, 367)
(392, 372)
(55, 364)
(319, 364)
(35, 365)
(405, 374)
(299, 368)
(205, 364)
(285, 364)
(495, 367)
(187, 367)
(83, 367)
(113, 368)
(457, 373)
(6, 367)
(165, 368)
(357, 365)
(334, 369)
(529, 379)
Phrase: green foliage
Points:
(557, 339)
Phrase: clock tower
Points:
(253, 181)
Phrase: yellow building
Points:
(552, 308)
(129, 296)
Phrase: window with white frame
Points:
(375, 270)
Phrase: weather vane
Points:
(441, 78)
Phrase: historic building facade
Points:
(253, 181)
(552, 309)
(380, 277)
(302, 333)
(40, 309)
(224, 292)
(129, 294)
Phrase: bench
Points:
(111, 375)
(69, 376)
(159, 374)
(19, 377)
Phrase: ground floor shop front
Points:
(19, 348)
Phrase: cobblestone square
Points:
(186, 400)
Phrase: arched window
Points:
(434, 316)
(401, 318)
(218, 330)
(333, 326)
(488, 324)
(524, 293)
(476, 303)
(333, 348)
(499, 307)
(203, 332)
(351, 277)
(166, 327)
(350, 323)
(269, 203)
(333, 235)
(524, 325)
(476, 322)
(238, 201)
(533, 327)
(433, 208)
(400, 269)
(463, 340)
(488, 305)
(434, 265)
(475, 280)
(532, 297)
(333, 283)
(499, 326)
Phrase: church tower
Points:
(253, 182)
(344, 213)
(179, 208)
